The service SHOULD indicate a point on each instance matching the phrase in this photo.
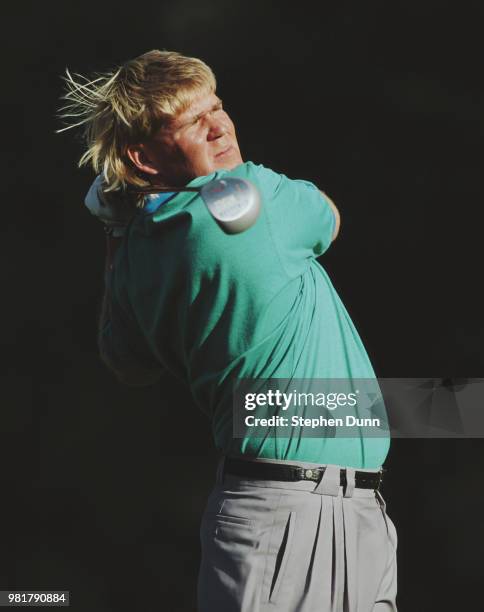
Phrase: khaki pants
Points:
(296, 546)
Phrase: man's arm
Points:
(336, 216)
(126, 368)
(112, 245)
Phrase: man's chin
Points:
(227, 161)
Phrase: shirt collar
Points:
(154, 200)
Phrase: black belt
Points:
(294, 473)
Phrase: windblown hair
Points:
(127, 106)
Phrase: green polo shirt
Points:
(210, 308)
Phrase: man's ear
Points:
(140, 159)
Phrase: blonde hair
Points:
(127, 106)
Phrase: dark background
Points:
(380, 104)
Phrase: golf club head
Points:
(233, 202)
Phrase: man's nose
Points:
(216, 128)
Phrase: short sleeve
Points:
(301, 217)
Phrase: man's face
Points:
(196, 142)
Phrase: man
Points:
(294, 523)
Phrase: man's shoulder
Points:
(251, 168)
(266, 179)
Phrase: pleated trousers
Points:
(296, 546)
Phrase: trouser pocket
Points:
(231, 565)
(278, 554)
(390, 527)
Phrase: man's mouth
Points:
(224, 152)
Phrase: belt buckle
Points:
(313, 474)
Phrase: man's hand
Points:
(113, 209)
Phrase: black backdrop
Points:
(378, 103)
